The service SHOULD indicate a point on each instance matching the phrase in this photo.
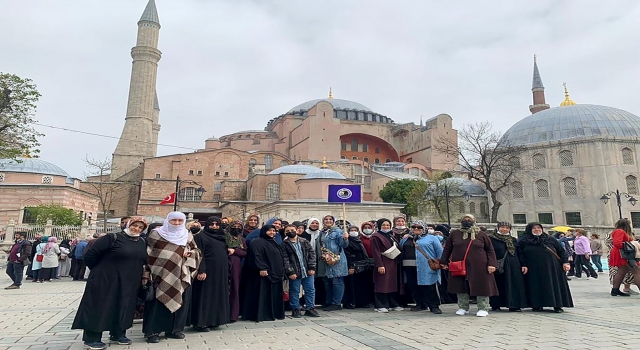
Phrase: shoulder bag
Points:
(392, 252)
(330, 258)
(459, 268)
(500, 268)
(434, 264)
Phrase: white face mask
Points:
(401, 227)
(430, 231)
(354, 233)
(367, 231)
(128, 233)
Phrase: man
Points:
(123, 222)
(18, 257)
(78, 257)
(300, 267)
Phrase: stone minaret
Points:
(539, 103)
(139, 138)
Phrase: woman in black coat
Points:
(510, 281)
(116, 261)
(358, 284)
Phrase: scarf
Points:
(532, 239)
(506, 239)
(177, 235)
(50, 243)
(313, 234)
(234, 242)
(386, 235)
(217, 234)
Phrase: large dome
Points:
(31, 165)
(568, 122)
(323, 173)
(336, 103)
(294, 169)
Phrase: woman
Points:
(332, 238)
(596, 251)
(173, 261)
(264, 273)
(428, 247)
(510, 281)
(386, 274)
(400, 229)
(358, 291)
(210, 301)
(367, 231)
(311, 234)
(473, 247)
(36, 265)
(237, 251)
(544, 264)
(445, 297)
(65, 259)
(51, 251)
(251, 224)
(116, 262)
(619, 236)
(408, 265)
(613, 270)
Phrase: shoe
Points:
(175, 335)
(349, 306)
(333, 308)
(558, 310)
(13, 286)
(153, 339)
(311, 313)
(590, 278)
(461, 312)
(537, 309)
(617, 292)
(495, 309)
(325, 305)
(595, 277)
(418, 308)
(515, 309)
(97, 345)
(482, 313)
(202, 328)
(436, 310)
(568, 279)
(296, 313)
(382, 310)
(121, 341)
(628, 291)
(397, 308)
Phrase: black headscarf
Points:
(533, 239)
(66, 244)
(264, 235)
(218, 233)
(386, 235)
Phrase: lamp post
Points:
(605, 199)
(199, 191)
(447, 192)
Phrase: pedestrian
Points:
(386, 272)
(408, 266)
(237, 250)
(596, 251)
(622, 233)
(65, 259)
(34, 246)
(311, 234)
(50, 260)
(18, 257)
(194, 227)
(428, 251)
(358, 285)
(445, 297)
(252, 223)
(509, 275)
(582, 248)
(331, 242)
(300, 268)
(79, 270)
(38, 258)
(116, 261)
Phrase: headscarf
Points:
(246, 228)
(264, 235)
(533, 239)
(44, 239)
(218, 233)
(51, 242)
(506, 239)
(313, 234)
(132, 220)
(328, 216)
(398, 233)
(444, 229)
(471, 231)
(65, 244)
(386, 235)
(419, 223)
(234, 242)
(176, 234)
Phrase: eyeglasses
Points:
(418, 227)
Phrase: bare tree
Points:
(486, 157)
(99, 182)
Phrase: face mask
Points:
(291, 234)
(367, 231)
(224, 226)
(354, 234)
(235, 231)
(385, 231)
(194, 229)
(430, 231)
(401, 227)
(128, 233)
(440, 238)
(466, 223)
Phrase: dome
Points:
(464, 185)
(573, 121)
(324, 173)
(31, 165)
(336, 103)
(293, 169)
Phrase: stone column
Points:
(11, 229)
(48, 228)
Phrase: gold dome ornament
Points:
(567, 101)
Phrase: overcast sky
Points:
(231, 65)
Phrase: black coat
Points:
(291, 261)
(511, 291)
(210, 298)
(109, 297)
(355, 251)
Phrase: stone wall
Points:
(13, 199)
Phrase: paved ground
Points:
(39, 316)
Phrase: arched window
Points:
(343, 157)
(377, 150)
(460, 207)
(252, 161)
(516, 190)
(354, 158)
(283, 163)
(570, 186)
(343, 146)
(483, 209)
(539, 162)
(514, 162)
(268, 162)
(472, 208)
(388, 160)
(354, 145)
(566, 158)
(376, 161)
(273, 191)
(542, 189)
(188, 194)
(627, 156)
(632, 184)
(366, 159)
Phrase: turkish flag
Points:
(169, 199)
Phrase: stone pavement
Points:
(39, 316)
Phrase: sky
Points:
(232, 65)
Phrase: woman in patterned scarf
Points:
(510, 281)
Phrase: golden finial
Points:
(535, 58)
(324, 163)
(567, 101)
(330, 93)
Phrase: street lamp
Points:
(430, 196)
(605, 199)
(199, 191)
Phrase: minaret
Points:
(139, 138)
(539, 103)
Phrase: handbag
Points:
(330, 258)
(434, 264)
(500, 268)
(39, 257)
(392, 252)
(628, 251)
(363, 265)
(459, 268)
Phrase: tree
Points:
(486, 157)
(18, 98)
(437, 188)
(405, 192)
(59, 215)
(100, 184)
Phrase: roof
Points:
(537, 80)
(398, 175)
(324, 173)
(150, 13)
(293, 169)
(573, 121)
(336, 103)
(465, 185)
(31, 165)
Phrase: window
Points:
(409, 160)
(252, 161)
(47, 180)
(190, 172)
(519, 218)
(226, 174)
(516, 190)
(343, 146)
(283, 163)
(157, 176)
(217, 186)
(188, 194)
(376, 161)
(28, 217)
(216, 197)
(256, 141)
(472, 208)
(460, 208)
(199, 172)
(542, 189)
(268, 162)
(539, 162)
(635, 219)
(514, 162)
(273, 192)
(545, 218)
(387, 160)
(343, 157)
(354, 145)
(570, 187)
(365, 159)
(377, 150)
(365, 147)
(566, 158)
(217, 173)
(632, 184)
(627, 156)
(483, 209)
(354, 158)
(573, 218)
(2, 177)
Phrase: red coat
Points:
(618, 236)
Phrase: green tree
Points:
(58, 214)
(18, 98)
(405, 192)
(437, 189)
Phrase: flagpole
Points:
(175, 200)
(344, 216)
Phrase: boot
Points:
(617, 292)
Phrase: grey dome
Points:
(31, 165)
(336, 103)
(567, 122)
(293, 169)
(324, 174)
(463, 185)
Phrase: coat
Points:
(430, 245)
(291, 261)
(390, 282)
(618, 237)
(511, 289)
(334, 241)
(481, 255)
(37, 265)
(51, 258)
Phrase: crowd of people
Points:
(181, 274)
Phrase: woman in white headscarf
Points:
(173, 263)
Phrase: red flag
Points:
(169, 199)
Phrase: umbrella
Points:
(562, 229)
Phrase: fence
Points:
(7, 232)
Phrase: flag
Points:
(345, 193)
(169, 199)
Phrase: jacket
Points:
(25, 251)
(582, 246)
(291, 261)
(332, 239)
(596, 247)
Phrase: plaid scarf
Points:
(170, 271)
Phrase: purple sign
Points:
(345, 194)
